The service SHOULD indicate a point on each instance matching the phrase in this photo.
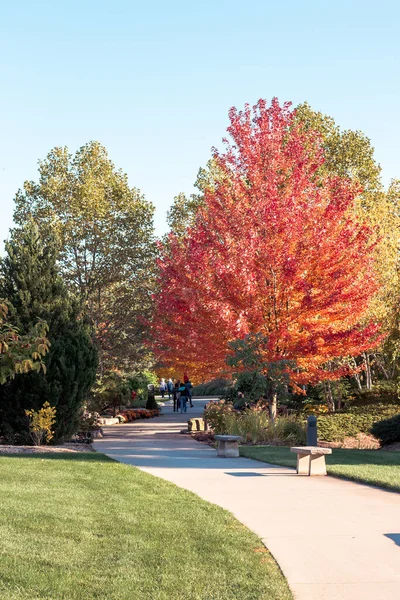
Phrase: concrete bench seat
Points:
(311, 459)
(228, 445)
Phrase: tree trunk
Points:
(356, 375)
(379, 361)
(340, 398)
(368, 374)
(272, 405)
(330, 398)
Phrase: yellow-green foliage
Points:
(20, 353)
(254, 424)
(40, 424)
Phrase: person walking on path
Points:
(183, 391)
(189, 387)
(170, 388)
(163, 388)
(175, 395)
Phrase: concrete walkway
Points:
(333, 539)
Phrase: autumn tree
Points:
(106, 235)
(275, 252)
(347, 153)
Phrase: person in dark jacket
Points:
(170, 388)
(189, 387)
(183, 392)
(175, 395)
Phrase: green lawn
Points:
(375, 467)
(83, 527)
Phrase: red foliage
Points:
(275, 250)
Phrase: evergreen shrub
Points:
(388, 430)
(335, 427)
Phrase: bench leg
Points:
(231, 449)
(303, 464)
(317, 465)
(221, 448)
(228, 449)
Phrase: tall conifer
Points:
(32, 284)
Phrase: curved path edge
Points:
(333, 539)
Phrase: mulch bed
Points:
(5, 449)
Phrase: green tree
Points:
(256, 378)
(110, 391)
(107, 243)
(30, 280)
(348, 153)
(184, 210)
(182, 213)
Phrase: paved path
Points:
(334, 540)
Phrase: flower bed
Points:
(254, 424)
(134, 414)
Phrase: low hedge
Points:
(216, 387)
(334, 428)
(381, 393)
(388, 430)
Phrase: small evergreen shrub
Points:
(388, 430)
(151, 403)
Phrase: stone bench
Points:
(311, 459)
(228, 445)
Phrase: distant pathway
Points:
(334, 540)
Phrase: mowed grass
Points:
(375, 467)
(83, 527)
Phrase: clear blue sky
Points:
(153, 81)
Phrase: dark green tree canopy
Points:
(30, 280)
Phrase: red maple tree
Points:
(275, 251)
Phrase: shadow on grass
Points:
(70, 456)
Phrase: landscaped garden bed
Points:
(63, 448)
(133, 414)
(351, 429)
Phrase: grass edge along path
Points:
(374, 467)
(84, 527)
